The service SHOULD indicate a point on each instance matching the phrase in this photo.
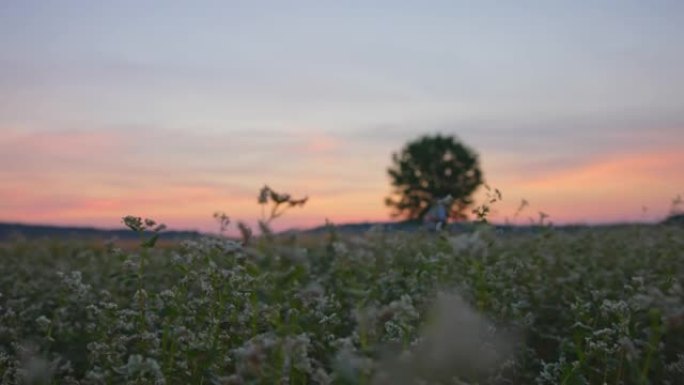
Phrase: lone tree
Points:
(431, 168)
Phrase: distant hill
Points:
(362, 227)
(456, 227)
(11, 230)
(675, 219)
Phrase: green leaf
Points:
(151, 241)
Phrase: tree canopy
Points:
(430, 168)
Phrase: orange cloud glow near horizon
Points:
(93, 179)
(611, 189)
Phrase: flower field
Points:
(550, 306)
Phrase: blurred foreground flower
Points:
(457, 343)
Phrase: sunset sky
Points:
(177, 109)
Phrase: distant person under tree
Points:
(438, 215)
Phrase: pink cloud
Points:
(66, 143)
(627, 169)
(612, 188)
(321, 144)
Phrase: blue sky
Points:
(313, 96)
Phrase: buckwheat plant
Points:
(279, 204)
